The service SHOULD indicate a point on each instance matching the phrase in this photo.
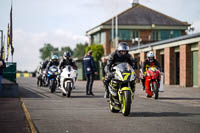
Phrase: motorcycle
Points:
(52, 78)
(120, 88)
(152, 82)
(67, 80)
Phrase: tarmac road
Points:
(53, 113)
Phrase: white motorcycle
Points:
(67, 80)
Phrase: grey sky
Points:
(64, 22)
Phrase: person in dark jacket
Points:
(90, 70)
(117, 57)
(150, 61)
(2, 66)
(67, 60)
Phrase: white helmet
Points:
(150, 56)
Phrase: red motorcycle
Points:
(152, 81)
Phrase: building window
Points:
(135, 34)
(103, 38)
(96, 38)
(155, 36)
(124, 35)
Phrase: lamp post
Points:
(137, 40)
(1, 38)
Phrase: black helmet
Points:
(66, 55)
(122, 47)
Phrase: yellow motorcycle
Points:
(122, 88)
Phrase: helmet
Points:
(54, 58)
(66, 55)
(150, 56)
(122, 48)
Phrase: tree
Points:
(65, 49)
(98, 51)
(79, 51)
(46, 51)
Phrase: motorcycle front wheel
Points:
(69, 89)
(126, 103)
(155, 89)
(52, 86)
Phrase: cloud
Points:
(27, 45)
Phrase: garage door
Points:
(195, 68)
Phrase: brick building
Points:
(179, 58)
(137, 22)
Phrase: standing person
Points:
(103, 65)
(90, 70)
(2, 66)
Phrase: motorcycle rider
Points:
(119, 56)
(149, 62)
(53, 62)
(67, 60)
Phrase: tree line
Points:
(78, 52)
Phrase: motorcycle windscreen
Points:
(124, 67)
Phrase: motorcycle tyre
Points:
(52, 86)
(69, 89)
(126, 103)
(155, 89)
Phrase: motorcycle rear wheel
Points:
(126, 103)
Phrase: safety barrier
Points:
(24, 75)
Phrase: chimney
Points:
(134, 2)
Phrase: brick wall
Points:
(157, 55)
(169, 55)
(199, 65)
(185, 66)
(144, 34)
(142, 57)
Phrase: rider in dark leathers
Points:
(117, 57)
(67, 61)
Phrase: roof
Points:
(140, 15)
(181, 38)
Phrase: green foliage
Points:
(79, 51)
(46, 51)
(98, 51)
